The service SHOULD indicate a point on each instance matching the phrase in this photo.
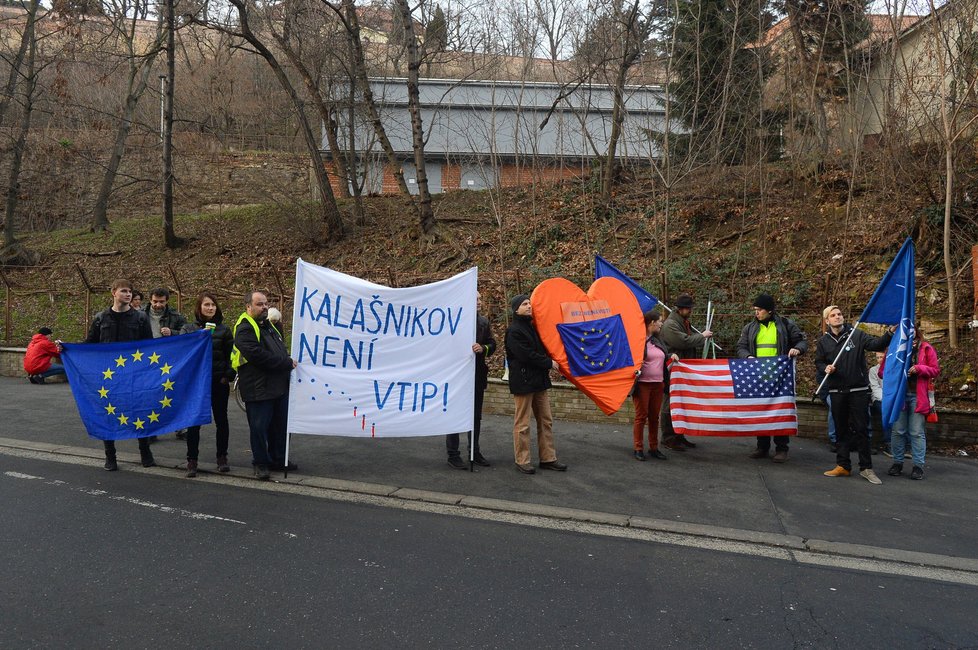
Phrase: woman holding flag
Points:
(909, 425)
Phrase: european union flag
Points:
(894, 303)
(141, 388)
(596, 346)
(603, 268)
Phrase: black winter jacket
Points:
(222, 342)
(789, 336)
(266, 375)
(850, 370)
(529, 365)
(113, 326)
(483, 336)
(169, 318)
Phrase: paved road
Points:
(715, 485)
(146, 559)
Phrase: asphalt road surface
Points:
(144, 560)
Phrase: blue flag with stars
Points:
(141, 388)
(596, 346)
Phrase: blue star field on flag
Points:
(141, 388)
(764, 377)
(596, 346)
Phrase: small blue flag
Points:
(141, 388)
(604, 269)
(596, 346)
(894, 303)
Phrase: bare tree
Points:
(139, 66)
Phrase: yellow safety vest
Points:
(767, 340)
(238, 359)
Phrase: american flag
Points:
(734, 397)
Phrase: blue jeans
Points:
(268, 421)
(909, 425)
(55, 369)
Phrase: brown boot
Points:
(191, 468)
(222, 464)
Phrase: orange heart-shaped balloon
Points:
(560, 302)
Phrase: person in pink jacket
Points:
(909, 426)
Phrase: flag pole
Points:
(288, 440)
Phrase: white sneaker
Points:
(871, 476)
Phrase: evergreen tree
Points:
(718, 70)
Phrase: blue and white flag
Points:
(604, 269)
(894, 303)
(141, 388)
(596, 346)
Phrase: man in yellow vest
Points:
(770, 335)
(263, 366)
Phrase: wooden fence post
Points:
(176, 287)
(8, 299)
(88, 297)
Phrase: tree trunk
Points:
(25, 40)
(952, 306)
(360, 70)
(170, 239)
(426, 214)
(136, 87)
(27, 84)
(332, 219)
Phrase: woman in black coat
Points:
(208, 316)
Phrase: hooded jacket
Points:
(41, 351)
(679, 338)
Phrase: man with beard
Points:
(263, 365)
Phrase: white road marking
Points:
(138, 502)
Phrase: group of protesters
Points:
(254, 351)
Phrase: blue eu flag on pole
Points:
(596, 346)
(894, 303)
(141, 388)
(603, 268)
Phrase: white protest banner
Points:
(375, 361)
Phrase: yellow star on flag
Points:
(103, 392)
(165, 402)
(137, 356)
(154, 358)
(166, 369)
(154, 417)
(123, 420)
(107, 374)
(110, 409)
(138, 423)
(121, 361)
(168, 384)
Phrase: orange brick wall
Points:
(451, 176)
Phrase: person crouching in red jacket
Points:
(42, 358)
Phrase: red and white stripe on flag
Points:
(733, 397)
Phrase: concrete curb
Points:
(772, 540)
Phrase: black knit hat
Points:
(518, 300)
(46, 331)
(764, 301)
(684, 301)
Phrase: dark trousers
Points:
(851, 414)
(219, 407)
(267, 421)
(780, 443)
(110, 447)
(451, 440)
